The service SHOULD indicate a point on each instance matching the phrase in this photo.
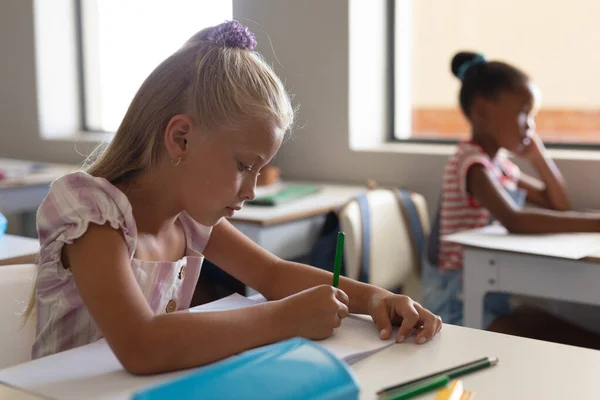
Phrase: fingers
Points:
(337, 322)
(410, 318)
(342, 311)
(342, 296)
(432, 324)
(382, 320)
(429, 325)
(342, 302)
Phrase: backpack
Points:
(323, 252)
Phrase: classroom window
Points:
(122, 41)
(555, 43)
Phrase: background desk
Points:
(17, 250)
(487, 270)
(290, 230)
(25, 188)
(25, 192)
(528, 369)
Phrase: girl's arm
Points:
(273, 277)
(147, 343)
(276, 279)
(551, 191)
(489, 193)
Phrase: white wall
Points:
(19, 122)
(311, 42)
(555, 44)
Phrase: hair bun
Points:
(232, 34)
(463, 61)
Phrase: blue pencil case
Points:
(290, 370)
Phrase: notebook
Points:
(283, 195)
(356, 339)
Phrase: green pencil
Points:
(451, 373)
(339, 251)
(424, 386)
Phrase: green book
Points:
(285, 195)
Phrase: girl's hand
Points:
(314, 313)
(392, 309)
(534, 149)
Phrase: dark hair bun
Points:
(461, 59)
(481, 77)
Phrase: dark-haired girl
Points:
(480, 184)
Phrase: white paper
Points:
(355, 339)
(232, 302)
(572, 246)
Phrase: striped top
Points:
(460, 211)
(74, 201)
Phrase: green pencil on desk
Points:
(419, 388)
(437, 380)
(339, 252)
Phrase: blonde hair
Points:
(217, 85)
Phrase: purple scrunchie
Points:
(232, 34)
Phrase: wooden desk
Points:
(18, 250)
(24, 190)
(290, 230)
(528, 369)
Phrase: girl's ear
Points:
(177, 134)
(480, 110)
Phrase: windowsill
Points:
(574, 154)
(82, 137)
(408, 148)
(442, 149)
(447, 149)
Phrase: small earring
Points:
(176, 163)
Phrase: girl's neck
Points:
(486, 142)
(151, 205)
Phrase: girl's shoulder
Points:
(77, 199)
(467, 154)
(470, 149)
(80, 183)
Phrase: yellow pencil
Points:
(454, 391)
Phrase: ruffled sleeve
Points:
(471, 155)
(73, 202)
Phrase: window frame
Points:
(80, 55)
(391, 63)
(78, 11)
